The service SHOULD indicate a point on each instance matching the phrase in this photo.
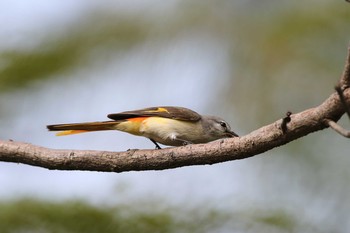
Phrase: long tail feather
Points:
(75, 128)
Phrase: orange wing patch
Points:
(131, 125)
(137, 119)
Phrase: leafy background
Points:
(247, 61)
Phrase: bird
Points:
(167, 125)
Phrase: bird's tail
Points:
(75, 128)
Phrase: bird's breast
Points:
(166, 130)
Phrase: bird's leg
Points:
(184, 142)
(187, 143)
(155, 143)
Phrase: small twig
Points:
(285, 121)
(343, 84)
(345, 78)
(342, 99)
(337, 128)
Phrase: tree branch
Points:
(266, 138)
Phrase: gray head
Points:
(216, 128)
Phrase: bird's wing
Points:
(178, 113)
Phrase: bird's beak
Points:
(231, 134)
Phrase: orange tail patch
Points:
(69, 132)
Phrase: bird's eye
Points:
(223, 124)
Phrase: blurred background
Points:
(246, 61)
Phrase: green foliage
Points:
(285, 50)
(75, 216)
(277, 219)
(67, 50)
(28, 215)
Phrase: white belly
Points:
(171, 132)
